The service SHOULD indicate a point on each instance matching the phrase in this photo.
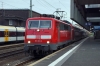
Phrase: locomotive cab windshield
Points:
(39, 24)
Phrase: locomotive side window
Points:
(66, 27)
(69, 28)
(45, 24)
(61, 26)
(33, 24)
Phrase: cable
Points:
(25, 2)
(43, 5)
(39, 9)
(49, 4)
(62, 4)
(9, 4)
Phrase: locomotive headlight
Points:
(29, 41)
(48, 42)
(38, 30)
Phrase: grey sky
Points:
(40, 6)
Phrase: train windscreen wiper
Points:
(30, 25)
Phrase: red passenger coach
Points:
(45, 34)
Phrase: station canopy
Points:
(90, 10)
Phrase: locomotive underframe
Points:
(44, 47)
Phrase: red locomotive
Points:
(44, 34)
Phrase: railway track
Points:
(8, 53)
(20, 62)
(11, 46)
(24, 60)
(10, 50)
(33, 62)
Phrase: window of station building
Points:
(10, 22)
(19, 24)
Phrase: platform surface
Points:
(87, 54)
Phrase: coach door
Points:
(6, 33)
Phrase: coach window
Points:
(2, 34)
(20, 33)
(12, 34)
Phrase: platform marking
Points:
(65, 56)
(47, 57)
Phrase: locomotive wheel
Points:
(64, 45)
(51, 51)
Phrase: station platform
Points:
(82, 53)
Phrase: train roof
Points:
(63, 21)
(10, 27)
(40, 18)
(77, 27)
(66, 21)
(6, 27)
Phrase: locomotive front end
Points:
(38, 36)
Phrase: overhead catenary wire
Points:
(29, 5)
(45, 6)
(37, 5)
(4, 3)
(8, 4)
(48, 7)
(49, 4)
(65, 13)
(25, 2)
(62, 4)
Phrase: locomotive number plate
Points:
(38, 36)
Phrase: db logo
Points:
(38, 36)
